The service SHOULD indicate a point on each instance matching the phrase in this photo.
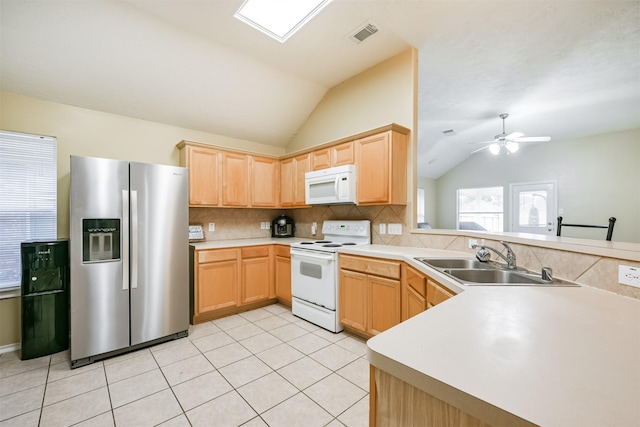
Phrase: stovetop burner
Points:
(332, 245)
(349, 243)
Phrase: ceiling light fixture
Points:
(279, 19)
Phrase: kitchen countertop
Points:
(515, 355)
(234, 243)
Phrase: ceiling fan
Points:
(509, 142)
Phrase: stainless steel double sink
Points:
(471, 272)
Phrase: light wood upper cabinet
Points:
(287, 169)
(204, 181)
(292, 185)
(235, 179)
(265, 182)
(320, 159)
(302, 166)
(381, 160)
(337, 155)
(342, 154)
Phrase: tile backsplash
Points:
(590, 270)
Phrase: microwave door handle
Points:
(337, 185)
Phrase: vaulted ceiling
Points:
(560, 68)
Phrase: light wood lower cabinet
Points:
(420, 292)
(232, 280)
(369, 294)
(216, 280)
(283, 273)
(257, 276)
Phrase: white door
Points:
(534, 207)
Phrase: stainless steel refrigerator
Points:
(129, 252)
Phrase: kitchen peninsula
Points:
(508, 355)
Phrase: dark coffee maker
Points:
(282, 226)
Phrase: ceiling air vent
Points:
(363, 32)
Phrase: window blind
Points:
(28, 193)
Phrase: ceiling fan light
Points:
(512, 146)
(494, 148)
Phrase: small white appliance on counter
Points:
(331, 186)
(314, 271)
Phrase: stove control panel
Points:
(347, 228)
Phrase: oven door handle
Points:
(310, 255)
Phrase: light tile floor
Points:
(264, 367)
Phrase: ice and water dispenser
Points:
(100, 240)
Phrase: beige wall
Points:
(381, 95)
(84, 132)
(93, 133)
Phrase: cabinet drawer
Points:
(377, 267)
(217, 255)
(255, 252)
(436, 293)
(283, 250)
(417, 281)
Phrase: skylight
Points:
(279, 19)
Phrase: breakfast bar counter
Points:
(518, 355)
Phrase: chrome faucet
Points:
(483, 254)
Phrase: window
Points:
(28, 192)
(481, 209)
(420, 204)
(279, 19)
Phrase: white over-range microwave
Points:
(331, 186)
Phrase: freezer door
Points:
(99, 204)
(159, 251)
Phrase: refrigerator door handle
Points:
(125, 240)
(134, 239)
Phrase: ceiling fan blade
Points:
(483, 142)
(514, 135)
(480, 149)
(533, 139)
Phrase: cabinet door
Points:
(353, 300)
(384, 304)
(264, 182)
(217, 285)
(235, 179)
(286, 182)
(342, 154)
(302, 166)
(255, 280)
(373, 169)
(283, 275)
(320, 159)
(203, 164)
(436, 293)
(256, 274)
(415, 304)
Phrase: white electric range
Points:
(314, 271)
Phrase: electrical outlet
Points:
(472, 242)
(262, 225)
(395, 229)
(212, 226)
(383, 229)
(629, 275)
